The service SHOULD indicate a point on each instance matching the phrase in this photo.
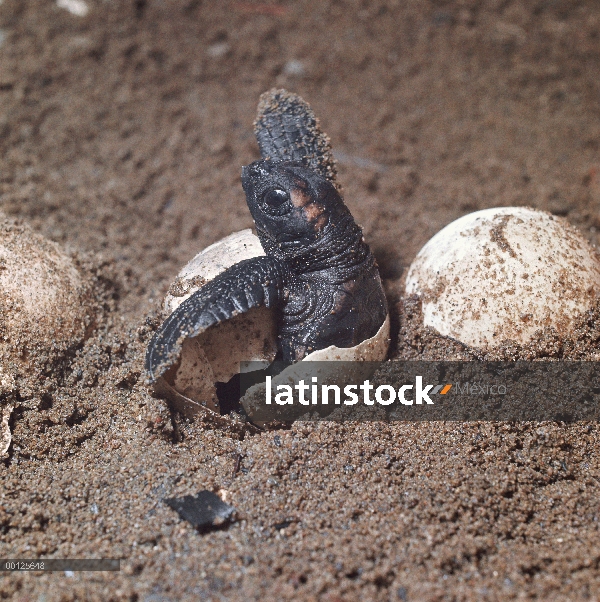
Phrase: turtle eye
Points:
(275, 201)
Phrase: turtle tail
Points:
(287, 130)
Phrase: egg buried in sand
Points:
(504, 274)
(46, 307)
(46, 311)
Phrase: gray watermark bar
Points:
(59, 564)
(418, 390)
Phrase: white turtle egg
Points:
(216, 354)
(504, 274)
(45, 307)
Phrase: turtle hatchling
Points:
(306, 288)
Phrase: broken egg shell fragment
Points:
(46, 308)
(5, 433)
(371, 350)
(215, 355)
(504, 274)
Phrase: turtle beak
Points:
(253, 173)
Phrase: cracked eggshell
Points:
(45, 308)
(504, 274)
(211, 262)
(215, 355)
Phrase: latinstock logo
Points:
(385, 395)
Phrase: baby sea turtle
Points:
(318, 273)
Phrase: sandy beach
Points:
(123, 129)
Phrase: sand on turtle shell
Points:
(122, 134)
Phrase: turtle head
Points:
(293, 207)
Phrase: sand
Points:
(122, 136)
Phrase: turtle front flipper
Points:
(248, 284)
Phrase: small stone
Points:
(294, 67)
(218, 50)
(205, 511)
(75, 7)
